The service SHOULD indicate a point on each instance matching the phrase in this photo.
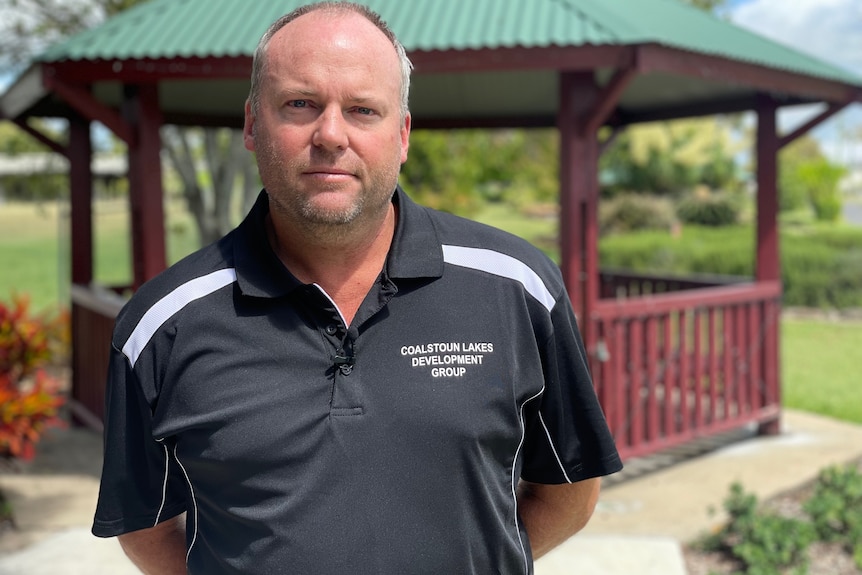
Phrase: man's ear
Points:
(248, 127)
(405, 137)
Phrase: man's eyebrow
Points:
(286, 92)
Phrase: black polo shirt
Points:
(297, 445)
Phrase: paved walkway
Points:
(642, 517)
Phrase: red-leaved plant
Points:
(30, 398)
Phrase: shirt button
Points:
(331, 329)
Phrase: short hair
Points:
(258, 67)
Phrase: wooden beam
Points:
(81, 200)
(579, 190)
(768, 262)
(147, 70)
(656, 58)
(85, 104)
(610, 95)
(453, 123)
(608, 142)
(42, 138)
(830, 111)
(559, 58)
(141, 110)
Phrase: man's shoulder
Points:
(209, 266)
(462, 232)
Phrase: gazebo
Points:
(672, 359)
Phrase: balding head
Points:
(335, 8)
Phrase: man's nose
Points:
(331, 132)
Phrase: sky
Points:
(827, 29)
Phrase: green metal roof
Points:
(216, 28)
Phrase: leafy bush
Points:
(820, 265)
(821, 178)
(765, 543)
(632, 212)
(709, 209)
(836, 508)
(29, 397)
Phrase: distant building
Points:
(107, 169)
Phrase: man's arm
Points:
(159, 550)
(553, 513)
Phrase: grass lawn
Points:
(820, 367)
(35, 256)
(820, 359)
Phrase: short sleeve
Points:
(567, 437)
(140, 487)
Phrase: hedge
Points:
(821, 266)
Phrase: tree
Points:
(33, 25)
(29, 186)
(671, 158)
(707, 5)
(807, 178)
(29, 26)
(460, 170)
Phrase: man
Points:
(347, 382)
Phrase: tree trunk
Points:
(210, 199)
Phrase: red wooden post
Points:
(683, 373)
(756, 328)
(618, 360)
(697, 376)
(713, 366)
(636, 380)
(728, 361)
(578, 187)
(80, 153)
(652, 410)
(768, 262)
(669, 424)
(142, 112)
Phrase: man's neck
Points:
(345, 264)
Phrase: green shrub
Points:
(835, 508)
(633, 212)
(709, 209)
(765, 543)
(821, 267)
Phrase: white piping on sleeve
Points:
(194, 504)
(554, 449)
(515, 479)
(164, 483)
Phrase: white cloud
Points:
(830, 30)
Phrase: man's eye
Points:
(364, 111)
(298, 104)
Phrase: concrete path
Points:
(643, 515)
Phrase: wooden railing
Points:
(93, 313)
(679, 365)
(618, 283)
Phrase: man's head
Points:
(259, 60)
(327, 118)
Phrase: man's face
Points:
(329, 136)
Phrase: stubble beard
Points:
(314, 219)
